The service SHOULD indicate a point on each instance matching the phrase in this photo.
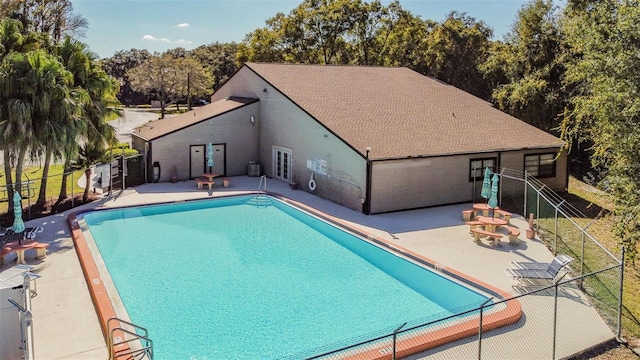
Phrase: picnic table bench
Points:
(514, 233)
(503, 214)
(201, 181)
(20, 247)
(494, 238)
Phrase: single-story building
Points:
(374, 139)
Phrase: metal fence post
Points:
(555, 314)
(480, 328)
(526, 193)
(555, 232)
(395, 334)
(73, 197)
(28, 193)
(619, 329)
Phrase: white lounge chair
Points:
(558, 261)
(538, 271)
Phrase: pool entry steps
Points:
(128, 344)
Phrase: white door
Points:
(218, 160)
(282, 164)
(197, 160)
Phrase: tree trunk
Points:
(87, 175)
(63, 186)
(8, 179)
(42, 195)
(19, 163)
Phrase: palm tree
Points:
(88, 155)
(11, 40)
(35, 88)
(98, 106)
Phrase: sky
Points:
(159, 25)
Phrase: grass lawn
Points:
(54, 182)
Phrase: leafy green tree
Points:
(370, 34)
(408, 43)
(455, 49)
(117, 67)
(157, 76)
(605, 107)
(527, 70)
(324, 32)
(170, 79)
(52, 17)
(219, 59)
(192, 80)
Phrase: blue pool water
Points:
(228, 279)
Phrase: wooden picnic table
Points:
(490, 223)
(483, 207)
(211, 176)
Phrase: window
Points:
(477, 166)
(540, 165)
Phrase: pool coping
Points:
(510, 314)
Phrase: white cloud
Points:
(153, 38)
(183, 25)
(183, 41)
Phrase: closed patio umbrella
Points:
(493, 199)
(18, 223)
(210, 156)
(486, 184)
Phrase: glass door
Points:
(282, 164)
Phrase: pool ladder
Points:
(263, 179)
(262, 201)
(135, 343)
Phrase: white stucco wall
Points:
(284, 124)
(233, 129)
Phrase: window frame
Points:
(480, 176)
(549, 168)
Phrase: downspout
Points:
(366, 208)
(149, 165)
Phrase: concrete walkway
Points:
(66, 325)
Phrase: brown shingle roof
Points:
(399, 112)
(159, 128)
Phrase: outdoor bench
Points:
(201, 181)
(473, 224)
(503, 214)
(513, 235)
(493, 237)
(19, 249)
(467, 215)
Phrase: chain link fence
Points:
(561, 318)
(123, 172)
(560, 322)
(582, 308)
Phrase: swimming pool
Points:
(241, 279)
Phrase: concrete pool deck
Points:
(66, 325)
